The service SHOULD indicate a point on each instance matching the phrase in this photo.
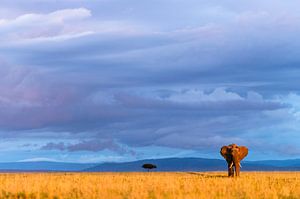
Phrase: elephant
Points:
(233, 154)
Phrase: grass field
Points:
(150, 185)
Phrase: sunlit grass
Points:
(150, 185)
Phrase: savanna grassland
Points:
(150, 185)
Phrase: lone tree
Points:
(149, 166)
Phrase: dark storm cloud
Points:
(197, 76)
(90, 145)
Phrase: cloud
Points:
(216, 72)
(139, 118)
(38, 160)
(218, 100)
(88, 145)
(57, 24)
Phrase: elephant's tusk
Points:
(240, 165)
(231, 165)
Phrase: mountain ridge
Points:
(198, 164)
(163, 164)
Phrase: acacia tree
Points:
(149, 166)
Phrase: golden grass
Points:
(150, 185)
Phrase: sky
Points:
(114, 80)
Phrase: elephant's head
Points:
(233, 154)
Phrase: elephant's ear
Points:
(223, 151)
(243, 152)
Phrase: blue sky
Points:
(114, 80)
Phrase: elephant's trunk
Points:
(230, 169)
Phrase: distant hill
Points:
(278, 163)
(198, 164)
(167, 164)
(43, 166)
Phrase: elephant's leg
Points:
(237, 170)
(232, 172)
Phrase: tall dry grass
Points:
(150, 185)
